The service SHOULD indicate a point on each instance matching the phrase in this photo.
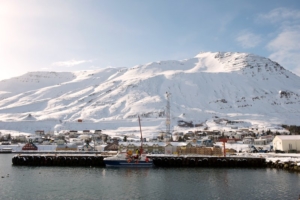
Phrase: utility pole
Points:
(168, 117)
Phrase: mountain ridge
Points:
(234, 86)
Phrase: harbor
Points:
(159, 160)
(85, 182)
(205, 161)
(96, 160)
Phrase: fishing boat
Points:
(123, 159)
(129, 158)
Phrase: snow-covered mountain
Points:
(209, 90)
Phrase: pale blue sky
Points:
(69, 35)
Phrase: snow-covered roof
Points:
(178, 143)
(144, 143)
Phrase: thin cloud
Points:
(280, 15)
(46, 68)
(248, 40)
(287, 40)
(284, 47)
(71, 63)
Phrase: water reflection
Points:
(129, 172)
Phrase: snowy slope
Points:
(209, 89)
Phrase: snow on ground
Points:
(236, 146)
(220, 91)
(282, 157)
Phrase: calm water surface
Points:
(155, 183)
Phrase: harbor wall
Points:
(87, 160)
(96, 160)
(196, 161)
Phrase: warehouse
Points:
(287, 143)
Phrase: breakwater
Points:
(59, 160)
(158, 160)
(96, 160)
(195, 161)
(288, 165)
(57, 152)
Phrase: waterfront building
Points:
(287, 143)
(260, 141)
(173, 147)
(66, 147)
(148, 147)
(29, 146)
(112, 146)
(182, 148)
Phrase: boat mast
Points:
(141, 134)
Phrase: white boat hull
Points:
(125, 163)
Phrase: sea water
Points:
(23, 182)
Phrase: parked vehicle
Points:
(260, 150)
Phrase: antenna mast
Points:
(168, 118)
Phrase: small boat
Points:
(6, 150)
(128, 159)
(124, 159)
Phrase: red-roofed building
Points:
(29, 146)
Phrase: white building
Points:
(260, 141)
(287, 143)
(248, 140)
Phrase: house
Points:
(20, 138)
(29, 146)
(112, 146)
(98, 132)
(67, 147)
(148, 147)
(287, 143)
(169, 149)
(269, 138)
(104, 137)
(191, 148)
(73, 134)
(241, 134)
(158, 147)
(214, 132)
(260, 141)
(248, 140)
(40, 132)
(185, 148)
(85, 147)
(100, 148)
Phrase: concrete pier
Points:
(94, 160)
(197, 161)
(158, 160)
